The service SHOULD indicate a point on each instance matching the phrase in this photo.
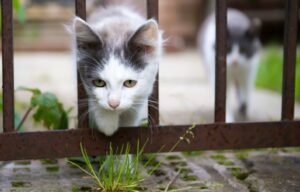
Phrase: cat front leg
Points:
(244, 86)
(133, 117)
(106, 122)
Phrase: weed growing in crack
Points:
(118, 173)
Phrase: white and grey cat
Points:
(117, 53)
(243, 54)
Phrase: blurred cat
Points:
(243, 55)
(117, 53)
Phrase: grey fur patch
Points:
(93, 55)
(244, 39)
(93, 58)
(241, 31)
(114, 32)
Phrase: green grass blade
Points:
(87, 161)
(81, 168)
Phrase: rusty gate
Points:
(218, 135)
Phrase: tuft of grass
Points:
(121, 172)
(116, 172)
(269, 75)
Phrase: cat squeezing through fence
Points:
(243, 54)
(117, 53)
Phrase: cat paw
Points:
(108, 131)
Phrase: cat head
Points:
(117, 72)
(242, 38)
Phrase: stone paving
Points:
(268, 170)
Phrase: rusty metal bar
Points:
(80, 8)
(153, 107)
(83, 120)
(58, 144)
(152, 9)
(220, 68)
(289, 67)
(7, 66)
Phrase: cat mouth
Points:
(118, 109)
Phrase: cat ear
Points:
(146, 38)
(86, 38)
(255, 28)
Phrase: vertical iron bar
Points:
(290, 46)
(153, 111)
(220, 68)
(8, 66)
(80, 9)
(83, 121)
(152, 9)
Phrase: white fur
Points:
(243, 73)
(133, 101)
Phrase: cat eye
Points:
(130, 83)
(99, 83)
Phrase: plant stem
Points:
(183, 137)
(172, 181)
(24, 118)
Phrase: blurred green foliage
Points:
(17, 116)
(269, 75)
(48, 110)
(19, 12)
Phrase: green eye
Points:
(130, 83)
(99, 83)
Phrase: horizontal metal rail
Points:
(57, 144)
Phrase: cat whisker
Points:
(149, 100)
(149, 104)
(85, 115)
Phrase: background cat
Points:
(117, 55)
(243, 55)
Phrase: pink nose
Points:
(114, 103)
(234, 62)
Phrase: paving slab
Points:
(264, 170)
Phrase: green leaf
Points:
(34, 91)
(48, 110)
(19, 10)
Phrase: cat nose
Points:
(114, 103)
(234, 62)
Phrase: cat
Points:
(243, 55)
(117, 53)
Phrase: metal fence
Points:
(218, 135)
